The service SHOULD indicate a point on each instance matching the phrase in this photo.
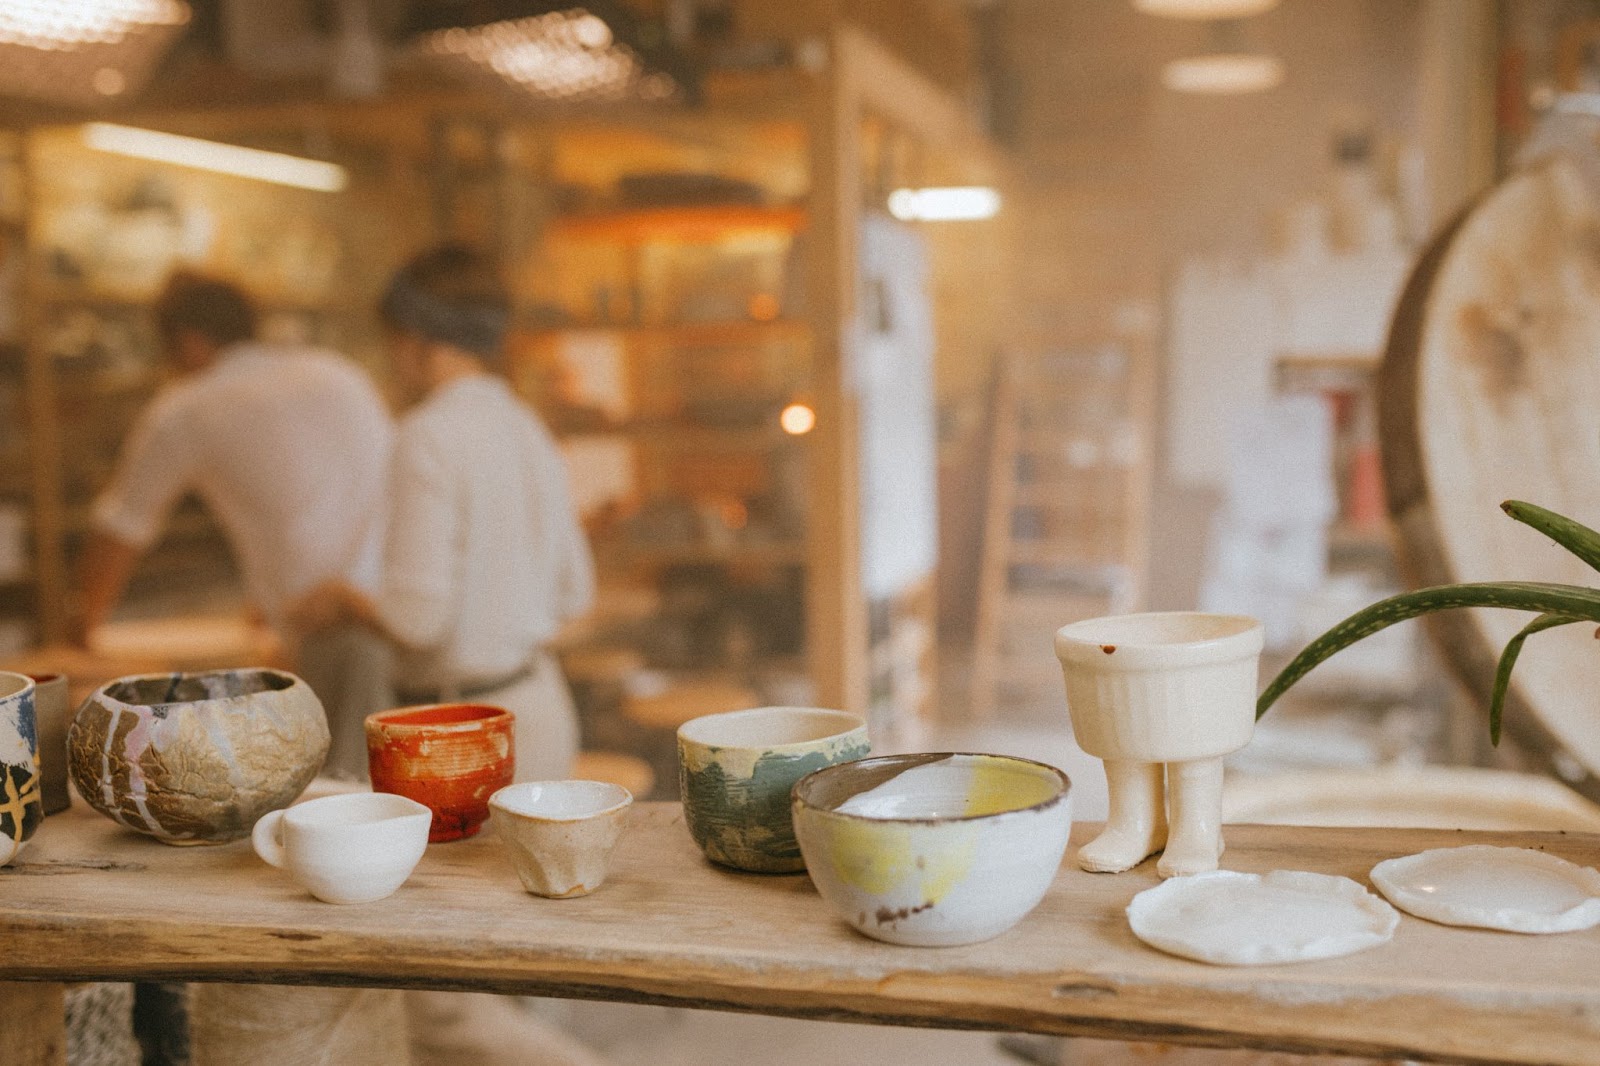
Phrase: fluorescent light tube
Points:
(955, 203)
(215, 156)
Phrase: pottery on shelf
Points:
(197, 758)
(450, 757)
(735, 771)
(936, 849)
(1518, 890)
(1160, 699)
(353, 848)
(21, 809)
(52, 714)
(1235, 919)
(560, 835)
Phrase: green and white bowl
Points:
(735, 771)
(936, 849)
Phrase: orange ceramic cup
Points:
(450, 757)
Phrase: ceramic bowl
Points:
(735, 771)
(20, 808)
(936, 849)
(196, 758)
(451, 757)
(560, 834)
(52, 713)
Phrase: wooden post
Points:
(836, 615)
(33, 1028)
(52, 585)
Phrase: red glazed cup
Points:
(450, 757)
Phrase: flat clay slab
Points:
(1518, 890)
(1234, 919)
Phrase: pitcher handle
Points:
(264, 838)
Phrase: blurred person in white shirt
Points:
(484, 560)
(288, 446)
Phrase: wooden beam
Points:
(52, 582)
(33, 1024)
(836, 612)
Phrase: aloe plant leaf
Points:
(1508, 661)
(1572, 535)
(1543, 598)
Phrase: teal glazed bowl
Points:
(735, 771)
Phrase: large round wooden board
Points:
(1490, 390)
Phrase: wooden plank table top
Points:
(89, 900)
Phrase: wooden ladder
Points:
(1066, 523)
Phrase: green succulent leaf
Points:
(1508, 660)
(1571, 601)
(1574, 536)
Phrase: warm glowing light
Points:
(955, 203)
(215, 156)
(764, 307)
(63, 25)
(797, 419)
(1205, 9)
(569, 55)
(1223, 73)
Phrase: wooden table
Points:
(91, 901)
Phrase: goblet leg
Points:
(1137, 826)
(1195, 846)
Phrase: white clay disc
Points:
(1516, 889)
(1235, 919)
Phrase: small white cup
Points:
(354, 848)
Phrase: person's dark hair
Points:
(452, 294)
(217, 310)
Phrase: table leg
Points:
(33, 1029)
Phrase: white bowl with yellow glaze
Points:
(933, 850)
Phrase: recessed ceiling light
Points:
(1205, 9)
(952, 203)
(1223, 73)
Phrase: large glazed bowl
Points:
(197, 758)
(937, 849)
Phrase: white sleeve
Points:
(155, 468)
(418, 600)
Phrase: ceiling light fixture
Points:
(568, 52)
(275, 167)
(1229, 66)
(952, 203)
(81, 52)
(1223, 73)
(1205, 9)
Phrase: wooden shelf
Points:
(705, 224)
(690, 334)
(778, 553)
(57, 295)
(670, 928)
(689, 435)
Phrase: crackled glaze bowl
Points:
(197, 758)
(735, 771)
(934, 850)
